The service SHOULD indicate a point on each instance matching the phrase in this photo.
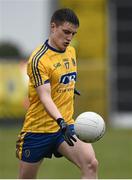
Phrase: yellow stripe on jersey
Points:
(35, 61)
(19, 144)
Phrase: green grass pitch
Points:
(113, 152)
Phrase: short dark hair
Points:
(65, 15)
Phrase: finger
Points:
(69, 142)
(77, 92)
(73, 138)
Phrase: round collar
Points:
(52, 48)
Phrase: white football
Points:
(89, 127)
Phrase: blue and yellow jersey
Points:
(48, 65)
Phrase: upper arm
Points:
(44, 91)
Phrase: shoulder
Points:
(71, 49)
(39, 52)
(39, 57)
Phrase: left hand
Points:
(66, 131)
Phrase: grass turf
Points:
(113, 152)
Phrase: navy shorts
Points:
(32, 147)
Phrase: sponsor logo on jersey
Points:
(67, 78)
(57, 65)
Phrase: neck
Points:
(52, 44)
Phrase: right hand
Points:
(66, 132)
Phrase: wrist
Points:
(60, 121)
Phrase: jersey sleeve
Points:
(38, 73)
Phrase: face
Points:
(62, 35)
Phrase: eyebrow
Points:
(69, 31)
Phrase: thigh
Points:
(28, 170)
(79, 153)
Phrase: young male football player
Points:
(48, 128)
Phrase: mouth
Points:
(66, 44)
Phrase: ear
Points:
(52, 26)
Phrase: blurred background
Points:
(104, 52)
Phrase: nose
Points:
(69, 37)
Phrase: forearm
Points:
(44, 93)
(50, 107)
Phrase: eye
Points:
(73, 33)
(66, 31)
